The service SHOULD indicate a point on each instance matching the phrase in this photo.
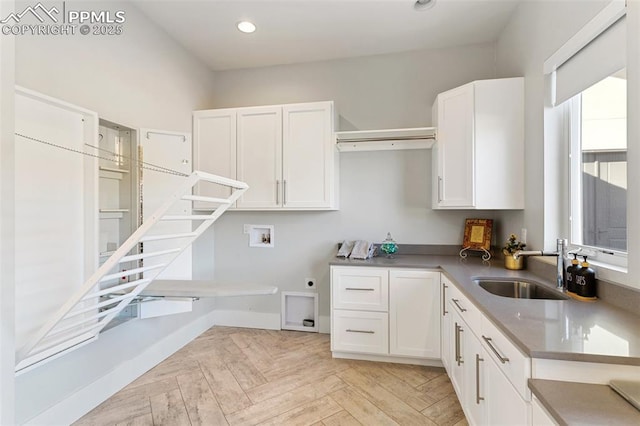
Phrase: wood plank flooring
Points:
(239, 376)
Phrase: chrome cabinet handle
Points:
(439, 189)
(444, 299)
(478, 397)
(359, 289)
(455, 301)
(277, 192)
(284, 192)
(502, 359)
(360, 331)
(459, 330)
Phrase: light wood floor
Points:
(240, 376)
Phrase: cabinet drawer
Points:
(467, 310)
(359, 331)
(360, 289)
(513, 363)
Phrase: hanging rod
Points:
(184, 138)
(388, 138)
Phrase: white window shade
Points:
(603, 56)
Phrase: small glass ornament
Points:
(389, 246)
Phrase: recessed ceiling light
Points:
(424, 4)
(246, 27)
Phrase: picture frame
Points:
(477, 234)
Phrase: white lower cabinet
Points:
(385, 312)
(487, 371)
(361, 331)
(414, 315)
(539, 415)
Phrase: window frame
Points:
(603, 256)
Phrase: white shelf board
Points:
(203, 288)
(387, 139)
(114, 210)
(113, 169)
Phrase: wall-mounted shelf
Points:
(114, 170)
(114, 210)
(386, 139)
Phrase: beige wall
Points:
(7, 277)
(535, 32)
(380, 191)
(142, 78)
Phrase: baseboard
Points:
(263, 320)
(247, 319)
(387, 358)
(325, 324)
(80, 403)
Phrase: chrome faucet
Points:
(561, 246)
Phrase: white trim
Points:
(603, 20)
(386, 358)
(262, 320)
(583, 372)
(84, 400)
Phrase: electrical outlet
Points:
(523, 235)
(246, 229)
(310, 282)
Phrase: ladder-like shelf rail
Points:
(91, 307)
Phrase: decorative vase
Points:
(389, 246)
(511, 263)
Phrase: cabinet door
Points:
(504, 404)
(445, 320)
(259, 161)
(308, 155)
(474, 381)
(414, 313)
(458, 333)
(455, 148)
(214, 150)
(539, 415)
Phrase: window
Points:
(598, 177)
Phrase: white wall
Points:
(7, 287)
(143, 79)
(535, 31)
(380, 192)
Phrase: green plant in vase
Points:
(512, 246)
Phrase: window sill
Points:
(606, 272)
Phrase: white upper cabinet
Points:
(260, 156)
(478, 159)
(214, 149)
(285, 153)
(308, 156)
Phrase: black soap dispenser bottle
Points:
(585, 281)
(571, 273)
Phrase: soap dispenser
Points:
(571, 273)
(585, 281)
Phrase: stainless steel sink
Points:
(519, 289)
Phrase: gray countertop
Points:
(583, 404)
(553, 329)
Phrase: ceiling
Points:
(293, 31)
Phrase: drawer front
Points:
(360, 288)
(362, 332)
(467, 310)
(513, 363)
